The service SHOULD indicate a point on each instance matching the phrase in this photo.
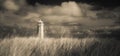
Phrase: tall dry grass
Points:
(59, 47)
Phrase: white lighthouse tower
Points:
(40, 29)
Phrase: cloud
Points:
(71, 12)
(10, 5)
(68, 12)
(69, 8)
(66, 8)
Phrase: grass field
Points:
(35, 46)
(97, 42)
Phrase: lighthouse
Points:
(40, 29)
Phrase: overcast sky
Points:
(85, 12)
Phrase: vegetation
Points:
(61, 31)
(59, 47)
(59, 41)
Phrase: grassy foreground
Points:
(59, 47)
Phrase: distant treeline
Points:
(59, 31)
(8, 31)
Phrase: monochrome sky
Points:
(60, 12)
